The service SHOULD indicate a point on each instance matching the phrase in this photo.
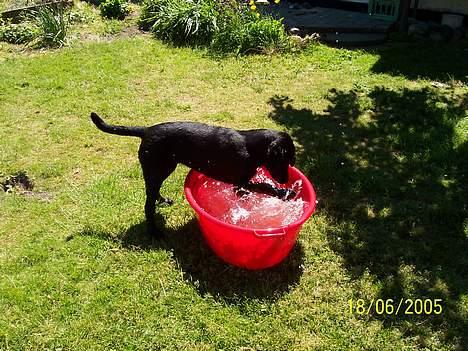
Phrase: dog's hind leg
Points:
(154, 175)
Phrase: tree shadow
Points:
(442, 62)
(391, 171)
(204, 270)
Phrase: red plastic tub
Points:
(245, 247)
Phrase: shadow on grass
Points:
(391, 172)
(427, 60)
(205, 271)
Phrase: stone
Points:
(294, 31)
(436, 36)
(447, 32)
(418, 29)
(458, 34)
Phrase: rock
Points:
(440, 32)
(436, 36)
(418, 29)
(439, 85)
(294, 31)
(452, 20)
(458, 34)
(447, 32)
(433, 26)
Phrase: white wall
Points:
(456, 6)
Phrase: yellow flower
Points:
(257, 14)
(277, 1)
(251, 2)
(253, 7)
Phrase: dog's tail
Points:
(119, 130)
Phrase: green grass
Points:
(385, 150)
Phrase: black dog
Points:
(224, 154)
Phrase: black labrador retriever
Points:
(225, 154)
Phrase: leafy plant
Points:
(225, 26)
(117, 9)
(78, 16)
(20, 33)
(246, 32)
(94, 2)
(150, 13)
(192, 22)
(53, 25)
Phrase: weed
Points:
(117, 9)
(53, 26)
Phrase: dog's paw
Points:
(240, 191)
(286, 194)
(166, 201)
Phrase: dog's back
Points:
(218, 152)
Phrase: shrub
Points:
(150, 12)
(263, 34)
(114, 9)
(223, 25)
(191, 22)
(247, 33)
(20, 33)
(53, 26)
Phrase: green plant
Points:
(94, 2)
(225, 26)
(117, 9)
(385, 150)
(78, 16)
(20, 33)
(245, 32)
(53, 26)
(149, 13)
(192, 22)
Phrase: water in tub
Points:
(251, 210)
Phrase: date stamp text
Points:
(403, 306)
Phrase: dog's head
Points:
(281, 153)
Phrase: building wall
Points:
(455, 6)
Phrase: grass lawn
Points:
(382, 134)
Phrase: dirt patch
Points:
(22, 184)
(17, 181)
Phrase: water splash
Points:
(251, 210)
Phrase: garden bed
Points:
(16, 15)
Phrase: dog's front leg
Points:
(284, 194)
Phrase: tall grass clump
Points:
(245, 32)
(225, 26)
(53, 26)
(182, 22)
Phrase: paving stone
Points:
(330, 20)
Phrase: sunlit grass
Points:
(77, 270)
